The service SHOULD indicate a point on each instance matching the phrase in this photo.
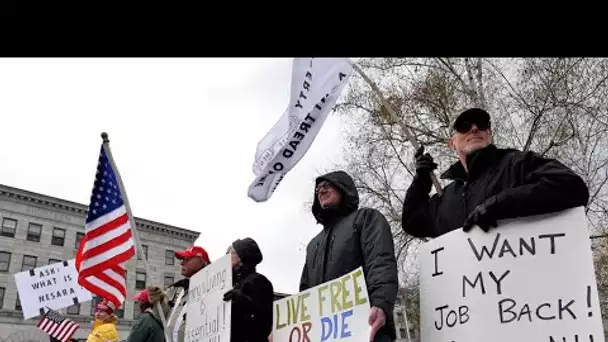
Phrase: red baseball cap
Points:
(193, 251)
(142, 297)
(106, 306)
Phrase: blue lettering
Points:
(330, 327)
(345, 330)
(325, 334)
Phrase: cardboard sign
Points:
(335, 310)
(530, 279)
(54, 286)
(208, 316)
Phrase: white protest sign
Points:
(335, 310)
(54, 286)
(208, 316)
(530, 279)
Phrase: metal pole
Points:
(406, 131)
(139, 249)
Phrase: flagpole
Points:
(406, 131)
(139, 249)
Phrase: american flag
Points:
(108, 241)
(57, 326)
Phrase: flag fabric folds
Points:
(316, 85)
(57, 326)
(108, 241)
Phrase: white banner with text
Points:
(530, 279)
(335, 310)
(208, 316)
(54, 286)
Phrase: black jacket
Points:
(351, 238)
(254, 294)
(524, 184)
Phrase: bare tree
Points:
(556, 107)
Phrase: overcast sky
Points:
(183, 133)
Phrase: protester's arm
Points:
(255, 297)
(547, 186)
(418, 209)
(380, 266)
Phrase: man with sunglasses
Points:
(489, 183)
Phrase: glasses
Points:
(321, 186)
(466, 126)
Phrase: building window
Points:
(5, 261)
(79, 237)
(18, 304)
(96, 300)
(402, 333)
(169, 280)
(169, 258)
(54, 261)
(144, 249)
(9, 226)
(58, 238)
(74, 309)
(120, 313)
(2, 290)
(400, 318)
(136, 311)
(29, 262)
(33, 232)
(140, 280)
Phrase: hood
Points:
(350, 196)
(248, 251)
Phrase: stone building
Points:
(37, 230)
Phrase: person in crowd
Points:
(353, 237)
(251, 296)
(149, 326)
(104, 326)
(488, 183)
(194, 259)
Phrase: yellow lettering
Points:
(334, 289)
(304, 316)
(279, 325)
(322, 298)
(358, 289)
(346, 304)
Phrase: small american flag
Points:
(108, 242)
(57, 326)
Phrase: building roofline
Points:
(82, 210)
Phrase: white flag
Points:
(316, 85)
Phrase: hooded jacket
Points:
(522, 183)
(253, 296)
(353, 237)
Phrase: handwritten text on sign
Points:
(530, 279)
(208, 317)
(335, 310)
(54, 286)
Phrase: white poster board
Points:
(530, 279)
(54, 286)
(208, 316)
(335, 310)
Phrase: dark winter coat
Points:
(148, 328)
(351, 238)
(253, 296)
(524, 184)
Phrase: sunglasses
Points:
(466, 126)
